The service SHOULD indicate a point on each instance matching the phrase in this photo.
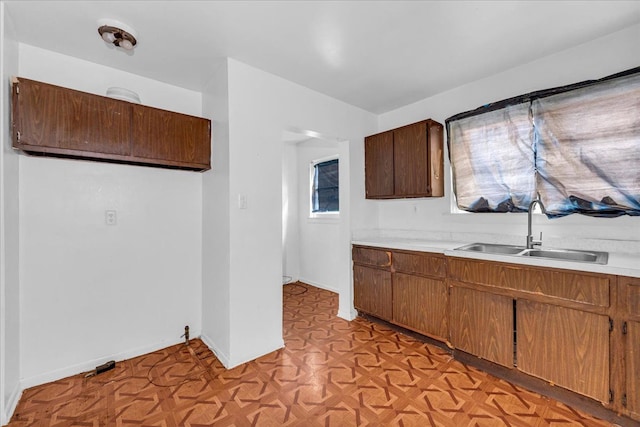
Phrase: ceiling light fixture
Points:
(118, 34)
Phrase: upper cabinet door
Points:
(411, 161)
(171, 137)
(405, 162)
(378, 165)
(53, 119)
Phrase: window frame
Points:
(329, 215)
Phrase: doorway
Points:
(315, 245)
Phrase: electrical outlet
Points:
(110, 217)
(242, 201)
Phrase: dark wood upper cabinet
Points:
(378, 160)
(51, 117)
(55, 121)
(411, 161)
(405, 162)
(173, 137)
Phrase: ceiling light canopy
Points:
(117, 33)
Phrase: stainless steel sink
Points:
(490, 248)
(593, 257)
(568, 255)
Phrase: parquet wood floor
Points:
(330, 373)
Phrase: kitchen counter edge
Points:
(620, 264)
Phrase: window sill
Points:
(324, 218)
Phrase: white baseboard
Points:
(252, 356)
(348, 314)
(319, 285)
(68, 371)
(12, 403)
(294, 279)
(226, 360)
(222, 357)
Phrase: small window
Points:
(325, 183)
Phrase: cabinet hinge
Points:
(610, 396)
(18, 136)
(624, 399)
(610, 325)
(624, 328)
(17, 90)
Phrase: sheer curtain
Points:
(492, 160)
(578, 146)
(588, 149)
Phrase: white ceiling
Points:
(377, 55)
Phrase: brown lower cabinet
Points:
(567, 347)
(482, 324)
(573, 329)
(419, 304)
(372, 291)
(413, 286)
(562, 321)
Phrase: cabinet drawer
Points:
(586, 288)
(373, 257)
(423, 264)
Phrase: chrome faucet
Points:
(530, 242)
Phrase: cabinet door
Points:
(436, 158)
(482, 324)
(59, 120)
(633, 368)
(171, 137)
(378, 165)
(567, 347)
(410, 159)
(631, 298)
(372, 291)
(420, 304)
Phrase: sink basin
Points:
(593, 257)
(489, 248)
(569, 255)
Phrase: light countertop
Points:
(621, 264)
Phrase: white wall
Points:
(9, 224)
(261, 107)
(91, 292)
(601, 57)
(216, 321)
(290, 207)
(319, 238)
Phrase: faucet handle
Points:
(536, 242)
